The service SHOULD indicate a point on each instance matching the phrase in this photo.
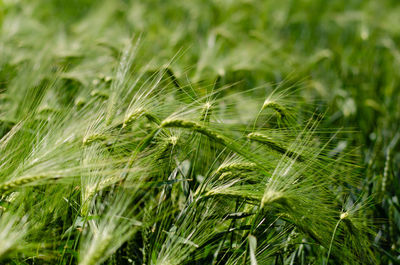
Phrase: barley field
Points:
(199, 132)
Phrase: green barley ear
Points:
(278, 108)
(179, 123)
(270, 142)
(133, 116)
(136, 114)
(240, 166)
(271, 197)
(235, 168)
(88, 139)
(166, 147)
(214, 135)
(100, 94)
(87, 201)
(20, 182)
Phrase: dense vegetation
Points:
(199, 132)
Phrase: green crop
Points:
(199, 132)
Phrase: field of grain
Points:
(199, 132)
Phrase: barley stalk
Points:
(343, 216)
